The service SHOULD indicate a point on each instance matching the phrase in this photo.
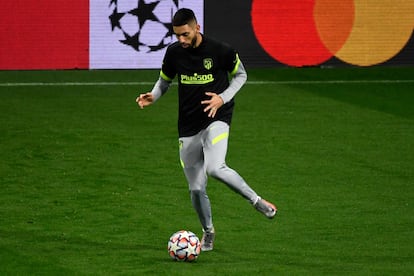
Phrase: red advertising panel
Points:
(44, 34)
(310, 32)
(315, 32)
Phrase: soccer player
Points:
(203, 66)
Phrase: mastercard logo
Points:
(310, 32)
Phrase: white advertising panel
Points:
(128, 34)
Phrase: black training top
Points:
(199, 70)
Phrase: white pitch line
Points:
(73, 83)
(14, 84)
(329, 81)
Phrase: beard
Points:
(190, 45)
(194, 41)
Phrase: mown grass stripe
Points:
(13, 84)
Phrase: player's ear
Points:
(198, 28)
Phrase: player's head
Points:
(183, 17)
(186, 28)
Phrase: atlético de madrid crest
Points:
(208, 63)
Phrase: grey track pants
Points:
(204, 155)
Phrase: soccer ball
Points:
(184, 246)
(144, 25)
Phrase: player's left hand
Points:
(213, 104)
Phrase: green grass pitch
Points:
(90, 184)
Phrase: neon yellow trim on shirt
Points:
(164, 76)
(220, 137)
(236, 67)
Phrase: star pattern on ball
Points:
(174, 246)
(192, 248)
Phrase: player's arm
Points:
(159, 89)
(167, 74)
(239, 78)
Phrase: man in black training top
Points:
(206, 104)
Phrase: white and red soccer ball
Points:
(184, 246)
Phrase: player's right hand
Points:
(144, 100)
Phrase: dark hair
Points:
(183, 16)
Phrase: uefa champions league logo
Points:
(144, 25)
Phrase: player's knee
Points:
(216, 171)
(197, 193)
